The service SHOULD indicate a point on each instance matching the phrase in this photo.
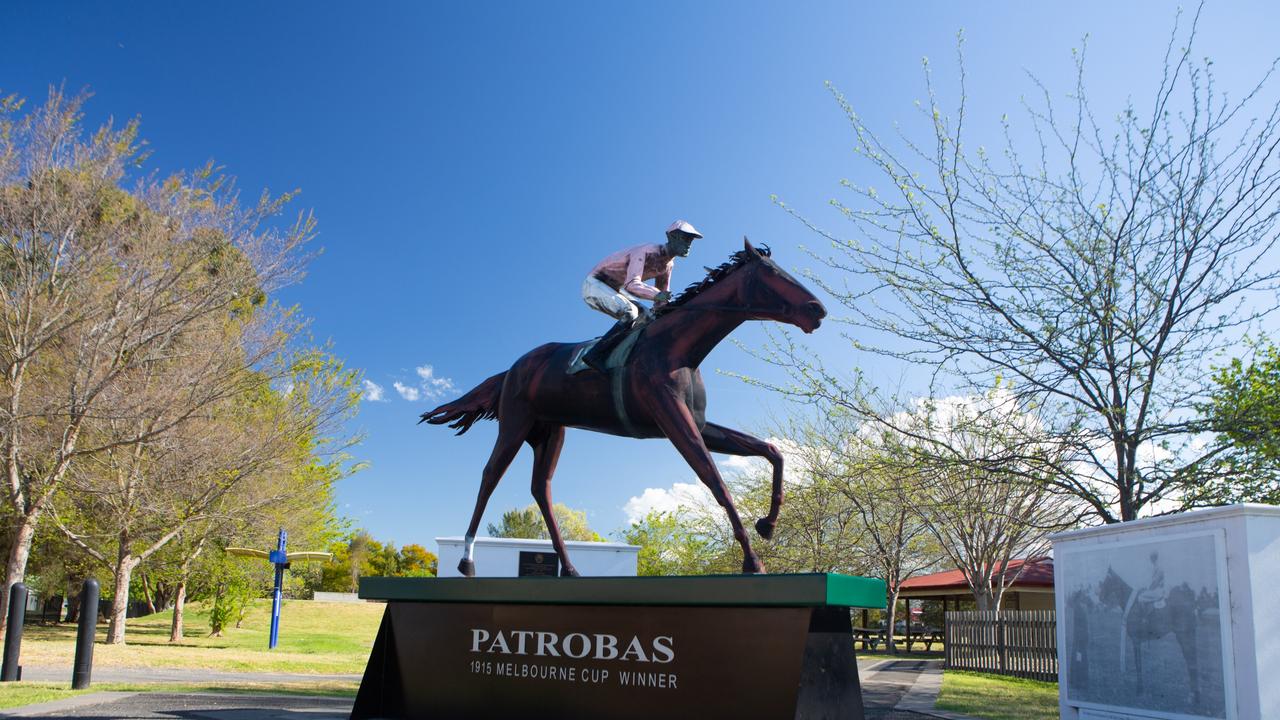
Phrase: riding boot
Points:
(599, 353)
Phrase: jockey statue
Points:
(616, 282)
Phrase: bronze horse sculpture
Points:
(657, 392)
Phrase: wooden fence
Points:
(1023, 643)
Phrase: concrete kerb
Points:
(923, 695)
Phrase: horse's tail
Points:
(479, 404)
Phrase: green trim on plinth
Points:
(805, 590)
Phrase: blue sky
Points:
(469, 162)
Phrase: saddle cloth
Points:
(616, 359)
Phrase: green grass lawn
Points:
(17, 694)
(996, 697)
(315, 637)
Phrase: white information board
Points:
(1170, 618)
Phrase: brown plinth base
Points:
(485, 660)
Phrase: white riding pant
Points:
(614, 303)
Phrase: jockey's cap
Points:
(683, 227)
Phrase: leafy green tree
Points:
(101, 286)
(417, 561)
(670, 545)
(1244, 412)
(528, 523)
(244, 461)
(360, 555)
(233, 591)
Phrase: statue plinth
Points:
(724, 646)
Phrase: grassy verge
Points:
(315, 638)
(28, 693)
(996, 697)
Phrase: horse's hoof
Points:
(765, 528)
(568, 571)
(467, 567)
(753, 566)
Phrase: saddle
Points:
(614, 364)
(617, 358)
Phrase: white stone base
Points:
(500, 557)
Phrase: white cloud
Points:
(372, 392)
(407, 392)
(795, 461)
(687, 495)
(433, 386)
(740, 463)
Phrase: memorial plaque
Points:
(1145, 627)
(539, 564)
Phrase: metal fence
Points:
(1023, 643)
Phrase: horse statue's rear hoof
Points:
(467, 567)
(568, 570)
(753, 566)
(765, 528)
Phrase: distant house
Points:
(1032, 588)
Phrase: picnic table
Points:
(925, 635)
(871, 637)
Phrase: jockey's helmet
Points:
(681, 226)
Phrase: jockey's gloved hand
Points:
(662, 297)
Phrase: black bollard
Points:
(11, 670)
(83, 668)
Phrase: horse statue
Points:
(653, 389)
(1144, 621)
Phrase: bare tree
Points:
(99, 283)
(1095, 270)
(895, 544)
(971, 478)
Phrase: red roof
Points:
(1037, 573)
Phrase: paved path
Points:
(891, 689)
(189, 706)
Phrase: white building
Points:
(502, 557)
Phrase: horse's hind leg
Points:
(725, 440)
(511, 432)
(546, 445)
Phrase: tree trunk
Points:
(146, 594)
(891, 613)
(983, 600)
(179, 604)
(16, 566)
(164, 596)
(73, 600)
(120, 601)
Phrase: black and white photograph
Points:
(1144, 627)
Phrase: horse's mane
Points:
(714, 275)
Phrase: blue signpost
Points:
(281, 560)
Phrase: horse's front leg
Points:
(672, 416)
(725, 440)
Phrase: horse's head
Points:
(1113, 590)
(770, 293)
